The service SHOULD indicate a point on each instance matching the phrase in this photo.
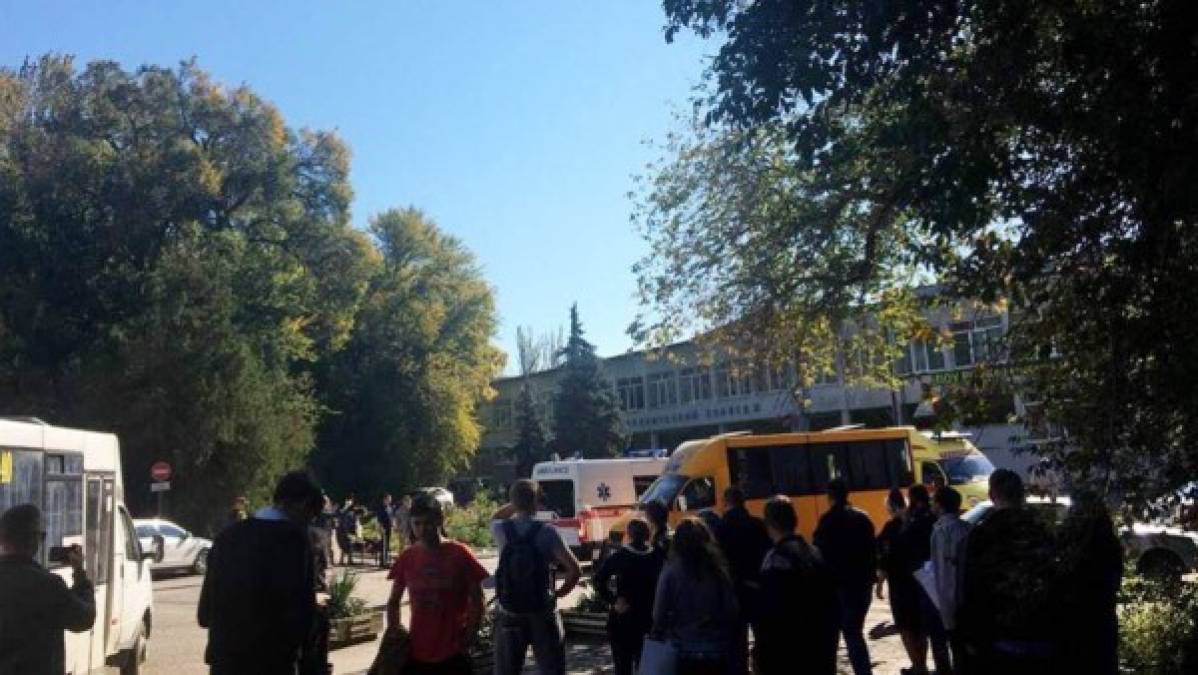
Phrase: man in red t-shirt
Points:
(444, 583)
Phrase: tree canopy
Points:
(1035, 154)
(401, 396)
(177, 265)
(586, 415)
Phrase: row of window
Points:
(806, 470)
(976, 341)
(973, 342)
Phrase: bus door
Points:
(98, 535)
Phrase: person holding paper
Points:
(949, 537)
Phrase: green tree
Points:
(173, 261)
(402, 395)
(1036, 154)
(586, 415)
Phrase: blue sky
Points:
(516, 125)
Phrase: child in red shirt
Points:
(444, 583)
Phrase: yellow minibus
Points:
(800, 465)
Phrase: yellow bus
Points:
(798, 465)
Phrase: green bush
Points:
(471, 524)
(342, 603)
(1157, 626)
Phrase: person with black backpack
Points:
(524, 585)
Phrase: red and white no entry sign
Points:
(161, 471)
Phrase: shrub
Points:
(471, 524)
(342, 603)
(1157, 626)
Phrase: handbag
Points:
(658, 657)
(393, 653)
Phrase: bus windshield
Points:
(664, 489)
(962, 469)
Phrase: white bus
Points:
(74, 477)
(583, 497)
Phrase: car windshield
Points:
(664, 489)
(963, 469)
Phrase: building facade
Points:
(671, 397)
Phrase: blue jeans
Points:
(515, 632)
(854, 605)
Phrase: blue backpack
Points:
(522, 580)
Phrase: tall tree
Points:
(173, 260)
(586, 415)
(1037, 154)
(531, 443)
(402, 394)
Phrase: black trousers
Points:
(626, 650)
(385, 549)
(454, 665)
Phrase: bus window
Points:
(642, 483)
(98, 548)
(931, 472)
(828, 461)
(751, 469)
(63, 512)
(698, 494)
(867, 465)
(664, 489)
(20, 478)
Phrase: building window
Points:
(694, 384)
(987, 339)
(501, 414)
(977, 341)
(728, 383)
(632, 393)
(663, 390)
(926, 356)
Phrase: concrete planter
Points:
(352, 630)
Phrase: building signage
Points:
(712, 414)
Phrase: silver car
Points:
(174, 548)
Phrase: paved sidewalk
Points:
(592, 657)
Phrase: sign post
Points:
(160, 472)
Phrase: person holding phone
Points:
(35, 605)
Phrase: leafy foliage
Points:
(178, 266)
(402, 393)
(342, 603)
(1036, 154)
(1158, 632)
(586, 415)
(471, 524)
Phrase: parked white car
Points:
(174, 547)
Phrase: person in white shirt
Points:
(949, 537)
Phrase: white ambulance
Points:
(582, 497)
(74, 477)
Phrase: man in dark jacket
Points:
(35, 605)
(845, 538)
(745, 542)
(1006, 608)
(258, 601)
(794, 575)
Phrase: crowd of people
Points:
(1009, 595)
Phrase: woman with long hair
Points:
(695, 609)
